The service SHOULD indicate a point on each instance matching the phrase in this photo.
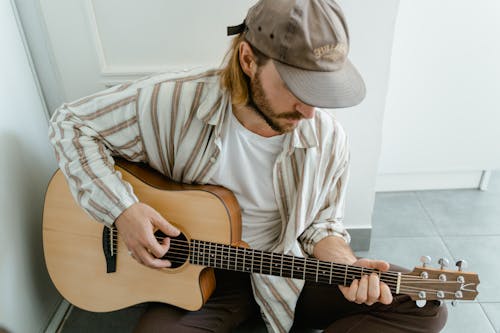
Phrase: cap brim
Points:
(338, 89)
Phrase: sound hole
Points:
(178, 253)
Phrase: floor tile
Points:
(483, 256)
(463, 212)
(492, 310)
(400, 215)
(467, 318)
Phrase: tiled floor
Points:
(454, 224)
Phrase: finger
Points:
(373, 289)
(350, 292)
(362, 293)
(380, 265)
(385, 294)
(156, 248)
(165, 227)
(136, 258)
(148, 260)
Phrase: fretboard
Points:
(268, 263)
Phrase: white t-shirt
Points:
(246, 168)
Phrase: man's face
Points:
(274, 102)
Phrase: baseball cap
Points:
(308, 42)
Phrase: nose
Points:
(306, 110)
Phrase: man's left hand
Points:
(369, 289)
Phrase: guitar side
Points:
(74, 254)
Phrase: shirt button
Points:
(212, 159)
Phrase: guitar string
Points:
(222, 264)
(219, 251)
(405, 289)
(339, 281)
(268, 254)
(287, 262)
(322, 265)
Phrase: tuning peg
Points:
(443, 262)
(461, 264)
(454, 303)
(421, 303)
(425, 260)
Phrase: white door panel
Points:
(97, 43)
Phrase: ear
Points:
(247, 59)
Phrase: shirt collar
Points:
(304, 136)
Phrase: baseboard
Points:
(429, 181)
(360, 238)
(57, 320)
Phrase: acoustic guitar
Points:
(90, 266)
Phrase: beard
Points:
(260, 104)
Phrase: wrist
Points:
(334, 248)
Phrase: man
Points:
(253, 127)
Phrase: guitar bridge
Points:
(109, 243)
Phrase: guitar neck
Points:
(240, 259)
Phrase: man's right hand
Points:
(136, 225)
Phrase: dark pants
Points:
(319, 306)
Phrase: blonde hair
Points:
(232, 76)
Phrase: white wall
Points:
(27, 297)
(92, 48)
(443, 110)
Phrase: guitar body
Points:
(73, 244)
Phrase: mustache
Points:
(291, 115)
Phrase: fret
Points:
(331, 270)
(195, 252)
(197, 249)
(191, 253)
(244, 258)
(214, 255)
(345, 275)
(261, 260)
(271, 265)
(239, 252)
(209, 252)
(281, 266)
(221, 255)
(229, 256)
(361, 274)
(197, 246)
(201, 256)
(305, 269)
(293, 259)
(235, 259)
(251, 267)
(317, 269)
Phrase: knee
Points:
(433, 317)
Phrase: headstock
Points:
(425, 283)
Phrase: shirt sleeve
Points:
(85, 135)
(329, 221)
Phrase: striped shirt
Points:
(174, 122)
